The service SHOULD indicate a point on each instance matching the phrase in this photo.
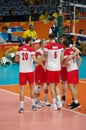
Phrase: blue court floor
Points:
(9, 73)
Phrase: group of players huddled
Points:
(54, 62)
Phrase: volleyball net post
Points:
(71, 11)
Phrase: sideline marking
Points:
(4, 85)
(82, 81)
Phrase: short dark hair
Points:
(81, 30)
(67, 43)
(28, 39)
(62, 35)
(51, 35)
(4, 28)
(65, 27)
(42, 42)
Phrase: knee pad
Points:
(37, 89)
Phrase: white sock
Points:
(33, 101)
(54, 100)
(58, 97)
(45, 96)
(22, 104)
(76, 101)
(37, 99)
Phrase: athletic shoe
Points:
(39, 104)
(63, 98)
(34, 108)
(59, 104)
(21, 110)
(69, 106)
(74, 106)
(46, 102)
(54, 107)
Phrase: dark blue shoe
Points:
(34, 108)
(21, 110)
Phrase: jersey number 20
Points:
(24, 56)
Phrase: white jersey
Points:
(53, 51)
(25, 54)
(72, 63)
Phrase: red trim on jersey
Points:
(38, 53)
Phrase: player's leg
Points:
(46, 89)
(50, 78)
(37, 90)
(22, 82)
(21, 108)
(30, 78)
(72, 79)
(58, 99)
(57, 90)
(64, 78)
(33, 97)
(63, 92)
(53, 95)
(75, 104)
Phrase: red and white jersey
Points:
(71, 46)
(72, 63)
(40, 50)
(53, 51)
(25, 54)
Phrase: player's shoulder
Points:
(69, 51)
(30, 49)
(55, 45)
(25, 48)
(59, 45)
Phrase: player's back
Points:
(53, 57)
(26, 61)
(72, 63)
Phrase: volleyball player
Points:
(63, 68)
(25, 56)
(53, 68)
(40, 77)
(72, 73)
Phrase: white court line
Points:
(8, 84)
(81, 114)
(82, 81)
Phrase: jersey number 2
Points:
(55, 54)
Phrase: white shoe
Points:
(54, 107)
(46, 102)
(59, 105)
